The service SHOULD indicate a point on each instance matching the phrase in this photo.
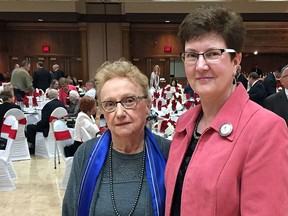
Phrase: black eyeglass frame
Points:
(136, 98)
(182, 54)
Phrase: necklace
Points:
(111, 183)
(196, 137)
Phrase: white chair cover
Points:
(85, 136)
(20, 149)
(7, 172)
(63, 138)
(45, 146)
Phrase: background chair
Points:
(7, 172)
(85, 136)
(46, 146)
(63, 138)
(20, 149)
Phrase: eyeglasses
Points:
(127, 103)
(210, 56)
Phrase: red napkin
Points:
(154, 103)
(34, 101)
(156, 94)
(163, 94)
(35, 94)
(167, 116)
(163, 126)
(172, 122)
(25, 101)
(159, 105)
(174, 105)
(187, 104)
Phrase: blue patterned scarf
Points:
(154, 164)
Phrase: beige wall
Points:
(97, 51)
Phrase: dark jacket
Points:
(42, 79)
(241, 78)
(270, 84)
(4, 108)
(278, 104)
(257, 93)
(58, 74)
(43, 124)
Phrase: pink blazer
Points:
(244, 173)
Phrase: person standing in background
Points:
(278, 102)
(257, 70)
(257, 90)
(155, 77)
(270, 81)
(57, 73)
(228, 155)
(241, 78)
(42, 77)
(22, 81)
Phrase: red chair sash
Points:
(22, 121)
(62, 135)
(52, 118)
(8, 129)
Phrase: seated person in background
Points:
(64, 90)
(90, 89)
(84, 119)
(53, 85)
(257, 89)
(7, 86)
(7, 97)
(43, 124)
(173, 83)
(73, 107)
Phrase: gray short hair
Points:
(53, 93)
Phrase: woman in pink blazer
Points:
(229, 156)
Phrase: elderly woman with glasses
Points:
(229, 155)
(122, 172)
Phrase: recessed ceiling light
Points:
(40, 20)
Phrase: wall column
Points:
(84, 51)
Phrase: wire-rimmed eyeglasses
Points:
(210, 56)
(127, 102)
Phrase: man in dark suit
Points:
(278, 103)
(57, 73)
(42, 77)
(257, 89)
(43, 124)
(270, 81)
(241, 78)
